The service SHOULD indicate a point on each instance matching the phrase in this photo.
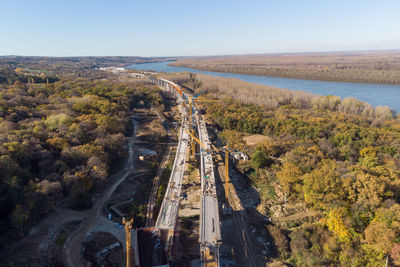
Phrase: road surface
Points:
(210, 228)
(169, 207)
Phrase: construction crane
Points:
(226, 149)
(128, 226)
(190, 101)
(227, 208)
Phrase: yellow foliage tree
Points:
(368, 157)
(58, 142)
(234, 139)
(335, 223)
(19, 70)
(288, 175)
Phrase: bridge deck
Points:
(210, 230)
(169, 208)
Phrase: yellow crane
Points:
(226, 149)
(128, 226)
(190, 101)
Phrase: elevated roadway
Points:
(167, 217)
(210, 228)
(169, 208)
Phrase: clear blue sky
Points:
(207, 27)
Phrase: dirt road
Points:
(72, 248)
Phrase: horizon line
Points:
(222, 55)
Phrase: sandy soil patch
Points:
(255, 139)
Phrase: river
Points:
(375, 94)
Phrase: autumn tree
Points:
(335, 223)
(322, 186)
(380, 237)
(368, 157)
(289, 175)
(234, 139)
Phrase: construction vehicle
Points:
(209, 257)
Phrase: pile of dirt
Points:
(287, 210)
(292, 215)
(247, 194)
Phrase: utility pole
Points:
(128, 226)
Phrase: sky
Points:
(195, 28)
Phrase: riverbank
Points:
(375, 94)
(378, 67)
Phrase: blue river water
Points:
(375, 94)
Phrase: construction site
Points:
(200, 203)
(173, 202)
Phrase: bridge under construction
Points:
(154, 245)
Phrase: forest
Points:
(62, 135)
(69, 66)
(366, 67)
(59, 140)
(340, 158)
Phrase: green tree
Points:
(260, 159)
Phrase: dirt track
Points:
(154, 190)
(72, 247)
